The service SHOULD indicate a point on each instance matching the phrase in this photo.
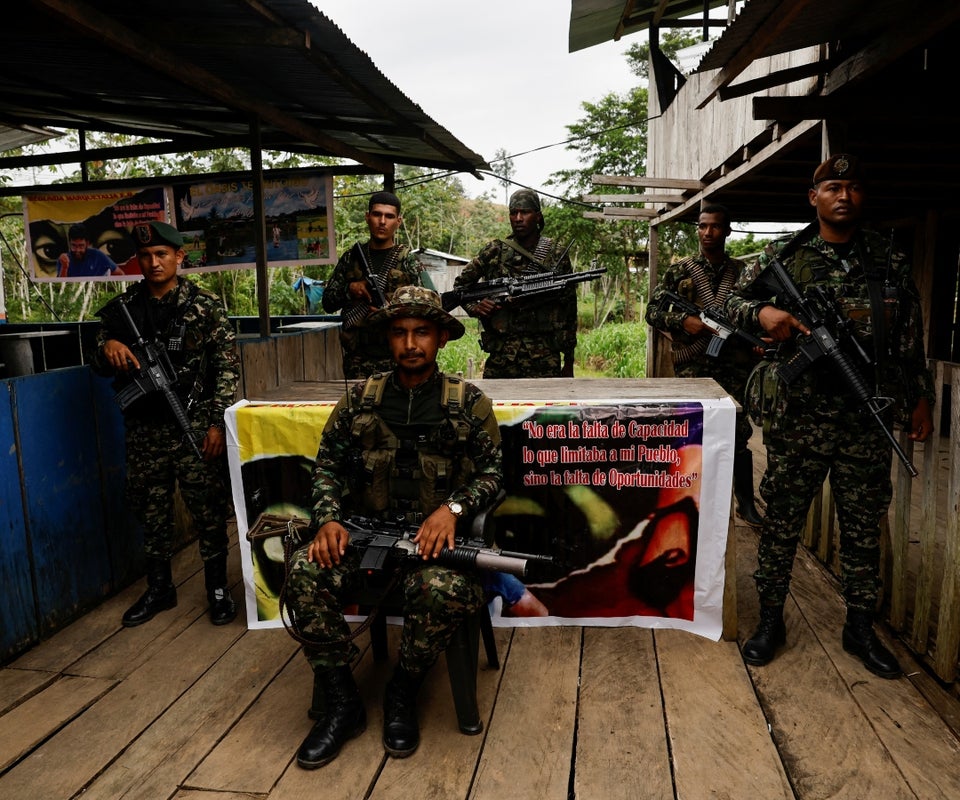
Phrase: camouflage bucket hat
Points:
(418, 302)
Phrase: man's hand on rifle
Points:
(780, 324)
(483, 308)
(329, 545)
(437, 532)
(119, 356)
(214, 443)
(360, 291)
(693, 325)
(921, 421)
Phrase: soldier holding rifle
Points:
(817, 426)
(533, 338)
(172, 350)
(364, 277)
(706, 280)
(413, 445)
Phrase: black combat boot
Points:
(401, 731)
(743, 488)
(161, 594)
(343, 718)
(860, 640)
(222, 608)
(771, 633)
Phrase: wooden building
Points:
(787, 83)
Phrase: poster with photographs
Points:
(217, 222)
(85, 235)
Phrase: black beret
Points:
(840, 167)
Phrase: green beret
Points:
(840, 167)
(157, 234)
(524, 200)
(420, 303)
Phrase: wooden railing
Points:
(921, 540)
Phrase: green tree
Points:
(503, 168)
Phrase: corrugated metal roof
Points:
(597, 21)
(800, 23)
(197, 72)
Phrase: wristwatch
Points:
(455, 508)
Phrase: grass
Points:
(615, 350)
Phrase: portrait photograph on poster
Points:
(84, 235)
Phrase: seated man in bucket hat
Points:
(428, 450)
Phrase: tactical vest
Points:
(408, 478)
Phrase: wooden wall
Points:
(687, 142)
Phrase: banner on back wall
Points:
(217, 223)
(631, 498)
(215, 217)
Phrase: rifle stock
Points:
(821, 343)
(156, 373)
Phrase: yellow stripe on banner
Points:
(280, 429)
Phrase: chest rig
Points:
(403, 471)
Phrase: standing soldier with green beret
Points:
(817, 428)
(348, 291)
(527, 337)
(192, 327)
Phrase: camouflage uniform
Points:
(818, 429)
(158, 458)
(366, 351)
(525, 338)
(733, 365)
(436, 598)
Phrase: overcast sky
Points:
(496, 74)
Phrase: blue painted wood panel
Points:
(18, 623)
(124, 535)
(54, 413)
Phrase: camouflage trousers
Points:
(157, 463)
(520, 357)
(436, 600)
(808, 446)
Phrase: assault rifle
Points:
(156, 373)
(387, 543)
(357, 312)
(718, 324)
(822, 343)
(504, 289)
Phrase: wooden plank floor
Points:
(178, 708)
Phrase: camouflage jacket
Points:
(902, 370)
(552, 317)
(409, 414)
(192, 324)
(405, 271)
(698, 281)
